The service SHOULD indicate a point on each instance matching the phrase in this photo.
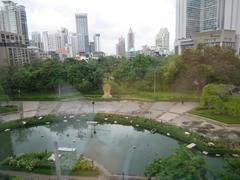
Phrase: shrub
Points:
(217, 99)
(231, 169)
(232, 106)
(27, 161)
(210, 91)
(183, 164)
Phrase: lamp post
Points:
(19, 92)
(93, 103)
(57, 162)
(154, 81)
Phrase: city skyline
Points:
(110, 27)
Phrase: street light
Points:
(19, 93)
(93, 103)
(154, 81)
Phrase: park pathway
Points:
(33, 176)
(168, 112)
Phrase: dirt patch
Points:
(209, 126)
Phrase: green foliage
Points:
(27, 162)
(50, 75)
(231, 169)
(183, 164)
(214, 93)
(3, 96)
(83, 165)
(38, 163)
(16, 178)
(232, 106)
(129, 71)
(191, 71)
(84, 76)
(7, 109)
(206, 65)
(225, 118)
(217, 98)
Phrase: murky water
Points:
(118, 148)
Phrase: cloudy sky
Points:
(110, 18)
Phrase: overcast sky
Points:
(110, 18)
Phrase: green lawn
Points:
(8, 109)
(217, 117)
(162, 96)
(97, 96)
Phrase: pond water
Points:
(118, 148)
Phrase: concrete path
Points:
(169, 112)
(33, 176)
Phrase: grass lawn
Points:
(128, 95)
(162, 96)
(7, 109)
(217, 117)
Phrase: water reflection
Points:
(118, 148)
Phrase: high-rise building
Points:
(13, 50)
(73, 44)
(45, 41)
(36, 40)
(2, 20)
(23, 23)
(51, 42)
(64, 38)
(36, 36)
(91, 47)
(201, 16)
(130, 39)
(162, 41)
(82, 33)
(13, 19)
(120, 47)
(96, 39)
(54, 42)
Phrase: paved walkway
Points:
(33, 176)
(170, 112)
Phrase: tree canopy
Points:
(49, 75)
(231, 169)
(182, 164)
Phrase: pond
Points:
(118, 148)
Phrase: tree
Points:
(214, 95)
(231, 169)
(3, 96)
(183, 164)
(84, 76)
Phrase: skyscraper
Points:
(73, 44)
(23, 23)
(13, 50)
(205, 15)
(45, 41)
(96, 39)
(13, 19)
(54, 42)
(130, 39)
(120, 47)
(64, 38)
(82, 33)
(162, 40)
(36, 40)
